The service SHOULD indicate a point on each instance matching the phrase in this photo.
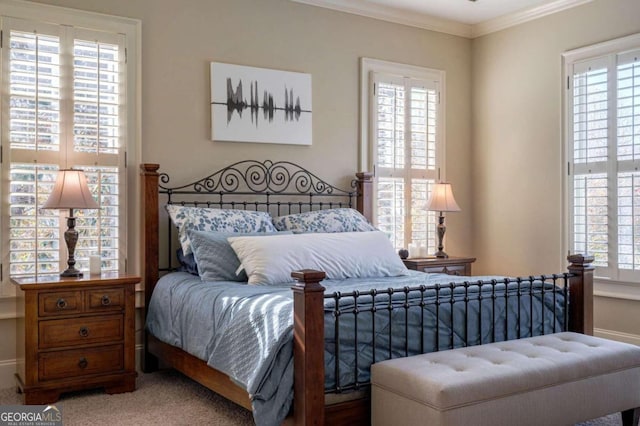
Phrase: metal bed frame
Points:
(284, 188)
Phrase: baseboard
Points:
(634, 339)
(7, 371)
(139, 348)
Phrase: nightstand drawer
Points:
(105, 300)
(60, 303)
(435, 265)
(80, 331)
(447, 269)
(80, 362)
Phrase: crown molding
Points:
(446, 26)
(517, 18)
(397, 16)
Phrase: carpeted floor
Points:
(164, 399)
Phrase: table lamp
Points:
(71, 192)
(441, 200)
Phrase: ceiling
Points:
(467, 18)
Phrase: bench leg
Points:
(631, 417)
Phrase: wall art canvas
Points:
(260, 105)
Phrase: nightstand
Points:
(450, 265)
(77, 333)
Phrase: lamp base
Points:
(71, 272)
(440, 254)
(71, 238)
(441, 230)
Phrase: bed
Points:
(356, 322)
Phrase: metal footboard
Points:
(362, 328)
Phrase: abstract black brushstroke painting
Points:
(279, 104)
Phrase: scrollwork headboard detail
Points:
(279, 187)
(268, 178)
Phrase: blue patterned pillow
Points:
(330, 220)
(214, 256)
(217, 220)
(187, 263)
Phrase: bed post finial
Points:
(365, 194)
(581, 293)
(308, 347)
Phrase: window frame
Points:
(131, 30)
(614, 285)
(369, 68)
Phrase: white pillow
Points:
(271, 259)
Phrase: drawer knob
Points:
(84, 331)
(83, 363)
(61, 303)
(105, 300)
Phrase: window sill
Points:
(616, 289)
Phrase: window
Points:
(603, 150)
(67, 102)
(403, 147)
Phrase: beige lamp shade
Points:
(71, 192)
(441, 199)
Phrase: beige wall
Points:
(181, 38)
(507, 174)
(517, 143)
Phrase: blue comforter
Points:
(246, 331)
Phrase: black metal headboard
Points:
(279, 188)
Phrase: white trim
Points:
(633, 339)
(7, 373)
(517, 18)
(138, 357)
(432, 23)
(8, 308)
(605, 48)
(398, 16)
(616, 290)
(368, 65)
(65, 16)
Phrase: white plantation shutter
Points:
(96, 97)
(34, 91)
(590, 213)
(34, 237)
(604, 142)
(628, 150)
(405, 157)
(66, 108)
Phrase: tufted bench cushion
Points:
(554, 379)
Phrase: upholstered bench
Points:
(557, 379)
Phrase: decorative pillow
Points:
(330, 220)
(218, 220)
(187, 263)
(214, 256)
(271, 259)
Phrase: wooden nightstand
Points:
(77, 333)
(449, 265)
